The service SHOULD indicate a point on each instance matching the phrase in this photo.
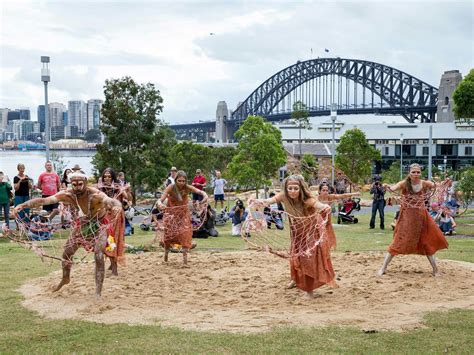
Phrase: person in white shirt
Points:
(219, 184)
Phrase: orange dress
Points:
(309, 271)
(416, 232)
(178, 228)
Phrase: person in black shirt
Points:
(378, 203)
(22, 185)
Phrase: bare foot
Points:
(381, 272)
(436, 273)
(61, 284)
(309, 295)
(333, 284)
(291, 285)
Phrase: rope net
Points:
(176, 221)
(48, 240)
(283, 234)
(438, 195)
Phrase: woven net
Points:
(48, 240)
(299, 236)
(179, 220)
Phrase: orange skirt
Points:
(416, 233)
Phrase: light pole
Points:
(333, 150)
(401, 156)
(45, 78)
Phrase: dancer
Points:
(308, 272)
(93, 213)
(415, 231)
(327, 198)
(178, 228)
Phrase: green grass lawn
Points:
(22, 331)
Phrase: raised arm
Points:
(395, 187)
(344, 196)
(197, 191)
(36, 202)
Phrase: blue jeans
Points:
(446, 227)
(25, 211)
(377, 205)
(6, 212)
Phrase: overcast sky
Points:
(169, 43)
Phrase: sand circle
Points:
(246, 292)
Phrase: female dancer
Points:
(327, 198)
(178, 228)
(415, 232)
(308, 272)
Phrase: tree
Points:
(93, 136)
(354, 155)
(259, 154)
(300, 116)
(136, 141)
(392, 174)
(221, 157)
(189, 156)
(463, 98)
(466, 185)
(309, 168)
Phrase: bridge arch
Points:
(376, 88)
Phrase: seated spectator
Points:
(238, 213)
(446, 222)
(453, 207)
(40, 227)
(435, 210)
(273, 214)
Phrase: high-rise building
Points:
(56, 110)
(41, 117)
(23, 128)
(65, 118)
(77, 115)
(93, 113)
(25, 114)
(3, 118)
(13, 115)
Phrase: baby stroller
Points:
(345, 211)
(222, 217)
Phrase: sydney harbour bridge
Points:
(349, 86)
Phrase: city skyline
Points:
(199, 53)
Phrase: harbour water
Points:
(34, 161)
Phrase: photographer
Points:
(238, 213)
(22, 185)
(5, 191)
(378, 203)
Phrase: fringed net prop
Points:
(283, 234)
(48, 239)
(438, 195)
(116, 190)
(175, 224)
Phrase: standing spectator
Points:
(341, 184)
(65, 180)
(22, 185)
(49, 184)
(378, 203)
(219, 184)
(199, 182)
(171, 176)
(5, 191)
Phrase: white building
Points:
(452, 144)
(56, 111)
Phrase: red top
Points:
(49, 183)
(198, 180)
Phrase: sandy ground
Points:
(246, 292)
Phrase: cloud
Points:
(169, 43)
